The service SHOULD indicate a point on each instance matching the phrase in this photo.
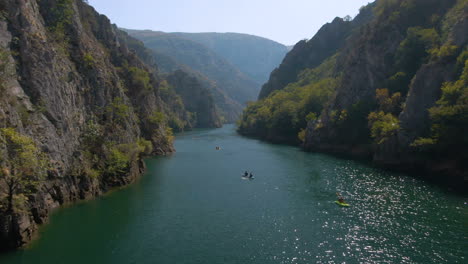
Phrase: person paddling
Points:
(340, 198)
(246, 174)
(250, 175)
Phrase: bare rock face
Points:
(68, 68)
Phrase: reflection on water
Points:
(193, 207)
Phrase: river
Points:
(194, 207)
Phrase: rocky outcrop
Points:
(398, 77)
(368, 61)
(80, 90)
(311, 53)
(197, 99)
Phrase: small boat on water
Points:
(344, 204)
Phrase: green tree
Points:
(118, 111)
(450, 115)
(23, 165)
(383, 126)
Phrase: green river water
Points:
(193, 207)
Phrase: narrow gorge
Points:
(373, 108)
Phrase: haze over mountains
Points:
(233, 65)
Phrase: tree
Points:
(23, 165)
(383, 126)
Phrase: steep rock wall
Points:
(68, 72)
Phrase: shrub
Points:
(145, 146)
(140, 78)
(157, 118)
(89, 60)
(118, 111)
(117, 163)
(302, 135)
(382, 126)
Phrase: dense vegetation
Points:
(396, 89)
(449, 117)
(284, 114)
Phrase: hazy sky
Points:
(285, 21)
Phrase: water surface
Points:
(193, 207)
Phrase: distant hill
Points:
(175, 52)
(252, 55)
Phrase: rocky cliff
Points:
(200, 58)
(392, 89)
(80, 106)
(197, 98)
(311, 53)
(392, 84)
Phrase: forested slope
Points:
(394, 89)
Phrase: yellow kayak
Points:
(341, 204)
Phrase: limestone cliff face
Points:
(70, 82)
(311, 53)
(368, 61)
(197, 99)
(389, 86)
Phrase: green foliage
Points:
(60, 18)
(389, 104)
(399, 82)
(414, 50)
(117, 163)
(169, 135)
(382, 126)
(24, 114)
(145, 146)
(93, 173)
(455, 15)
(23, 167)
(118, 158)
(444, 51)
(89, 61)
(140, 78)
(176, 123)
(92, 135)
(118, 111)
(157, 118)
(302, 135)
(6, 69)
(285, 112)
(311, 117)
(450, 115)
(423, 142)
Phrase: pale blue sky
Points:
(285, 21)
